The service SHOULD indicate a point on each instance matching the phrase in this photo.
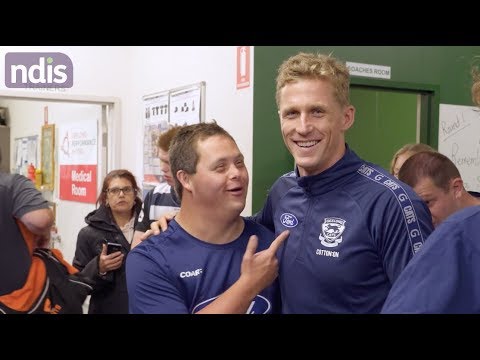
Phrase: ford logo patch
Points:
(289, 220)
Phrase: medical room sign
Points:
(243, 67)
(77, 158)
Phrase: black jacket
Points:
(110, 292)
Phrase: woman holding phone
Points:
(104, 243)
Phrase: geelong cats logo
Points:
(332, 230)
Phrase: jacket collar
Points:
(335, 176)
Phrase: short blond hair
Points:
(315, 66)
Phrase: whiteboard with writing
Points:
(459, 139)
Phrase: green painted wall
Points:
(384, 122)
(445, 68)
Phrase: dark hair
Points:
(183, 149)
(428, 164)
(120, 173)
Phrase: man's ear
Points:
(184, 179)
(348, 117)
(456, 185)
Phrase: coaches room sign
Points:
(368, 70)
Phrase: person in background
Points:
(404, 153)
(207, 260)
(476, 85)
(20, 201)
(353, 227)
(436, 179)
(161, 199)
(442, 277)
(113, 221)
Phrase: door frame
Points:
(110, 135)
(429, 103)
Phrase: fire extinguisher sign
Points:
(243, 67)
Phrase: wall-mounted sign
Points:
(77, 157)
(184, 105)
(47, 162)
(369, 70)
(243, 67)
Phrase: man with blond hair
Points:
(353, 227)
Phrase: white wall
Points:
(161, 68)
(97, 71)
(129, 73)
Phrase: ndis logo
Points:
(38, 70)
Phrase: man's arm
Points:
(161, 224)
(151, 291)
(401, 236)
(258, 271)
(435, 280)
(39, 222)
(32, 209)
(263, 217)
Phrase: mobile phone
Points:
(112, 247)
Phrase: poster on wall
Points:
(185, 106)
(459, 140)
(155, 121)
(180, 106)
(47, 151)
(25, 153)
(77, 159)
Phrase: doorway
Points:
(386, 119)
(27, 108)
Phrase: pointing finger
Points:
(251, 246)
(275, 245)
